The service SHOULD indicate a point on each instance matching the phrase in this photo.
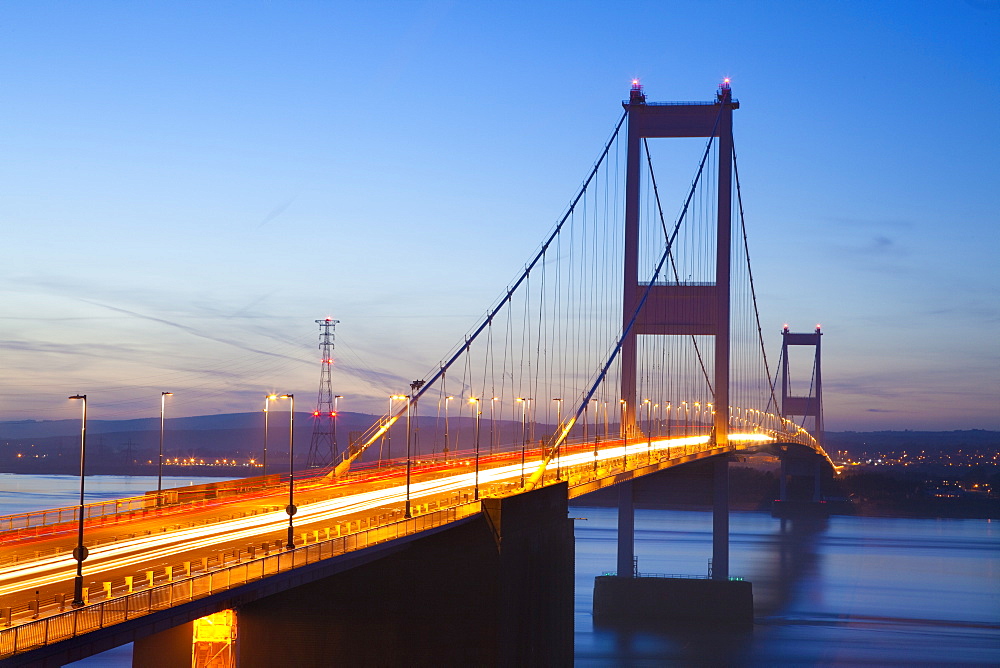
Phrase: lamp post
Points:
(446, 435)
(336, 416)
(475, 406)
(607, 433)
(388, 435)
(710, 416)
(159, 470)
(410, 415)
(558, 401)
(597, 420)
(492, 423)
(597, 435)
(291, 509)
(531, 422)
(386, 438)
(649, 451)
(668, 430)
(80, 553)
(524, 433)
(621, 430)
(649, 442)
(267, 402)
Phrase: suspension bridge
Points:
(629, 343)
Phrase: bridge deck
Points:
(141, 563)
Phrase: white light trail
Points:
(135, 551)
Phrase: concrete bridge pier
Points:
(655, 602)
(720, 523)
(720, 519)
(626, 529)
(800, 484)
(495, 589)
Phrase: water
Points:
(850, 591)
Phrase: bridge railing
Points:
(65, 625)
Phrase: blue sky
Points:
(187, 186)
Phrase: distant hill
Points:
(53, 446)
(115, 446)
(28, 429)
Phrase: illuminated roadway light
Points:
(130, 552)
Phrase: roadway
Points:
(170, 543)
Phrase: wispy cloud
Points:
(276, 211)
(191, 330)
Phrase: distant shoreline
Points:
(144, 470)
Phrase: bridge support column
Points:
(801, 485)
(628, 601)
(720, 519)
(169, 648)
(783, 481)
(493, 590)
(626, 530)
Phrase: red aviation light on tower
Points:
(635, 95)
(315, 413)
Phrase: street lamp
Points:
(411, 409)
(649, 424)
(267, 401)
(446, 436)
(159, 471)
(291, 509)
(80, 553)
(475, 403)
(621, 429)
(597, 436)
(387, 436)
(531, 422)
(524, 435)
(492, 437)
(558, 401)
(649, 453)
(336, 415)
(607, 433)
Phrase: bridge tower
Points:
(323, 445)
(810, 405)
(676, 309)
